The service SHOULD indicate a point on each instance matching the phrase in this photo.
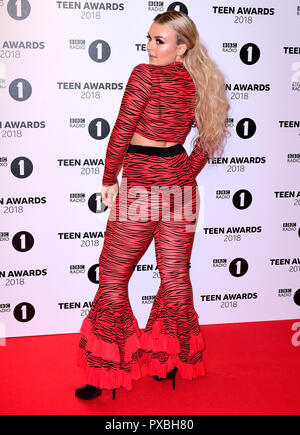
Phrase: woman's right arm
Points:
(135, 98)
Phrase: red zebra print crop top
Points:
(158, 103)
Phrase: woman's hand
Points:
(109, 193)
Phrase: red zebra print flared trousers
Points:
(158, 198)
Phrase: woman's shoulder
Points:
(142, 68)
(147, 72)
(141, 72)
(143, 65)
(140, 78)
(169, 68)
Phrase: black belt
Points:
(156, 151)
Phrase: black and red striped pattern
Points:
(158, 103)
(113, 350)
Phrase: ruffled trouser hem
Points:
(163, 352)
(117, 369)
(145, 353)
(109, 379)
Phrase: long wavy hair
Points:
(212, 104)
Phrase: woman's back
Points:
(169, 111)
(158, 103)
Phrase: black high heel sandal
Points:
(169, 375)
(89, 392)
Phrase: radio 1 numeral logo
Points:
(95, 203)
(21, 167)
(242, 199)
(20, 89)
(297, 297)
(178, 6)
(93, 274)
(249, 53)
(99, 51)
(24, 312)
(238, 267)
(99, 128)
(246, 128)
(23, 241)
(18, 9)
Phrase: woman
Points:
(159, 198)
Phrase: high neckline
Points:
(175, 64)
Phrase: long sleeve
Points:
(135, 98)
(198, 160)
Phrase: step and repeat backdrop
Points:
(63, 69)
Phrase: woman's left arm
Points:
(198, 160)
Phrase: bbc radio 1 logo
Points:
(23, 241)
(99, 51)
(95, 203)
(24, 312)
(20, 89)
(93, 274)
(241, 199)
(21, 167)
(158, 6)
(246, 128)
(179, 7)
(297, 297)
(238, 267)
(249, 53)
(99, 128)
(18, 9)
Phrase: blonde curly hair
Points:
(212, 103)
